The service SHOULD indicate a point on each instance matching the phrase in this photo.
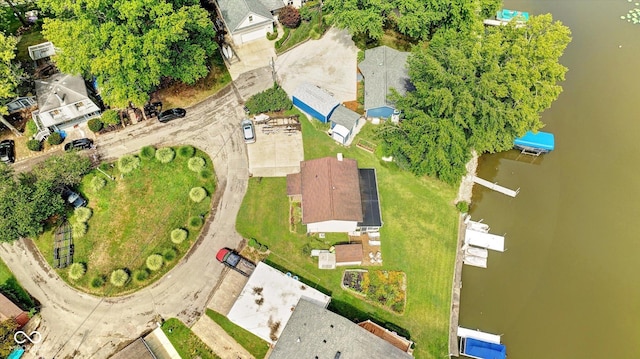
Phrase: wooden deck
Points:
(496, 187)
(366, 249)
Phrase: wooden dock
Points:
(495, 187)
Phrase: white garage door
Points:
(254, 35)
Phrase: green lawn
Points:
(5, 273)
(307, 30)
(186, 343)
(31, 38)
(132, 219)
(254, 345)
(10, 287)
(418, 237)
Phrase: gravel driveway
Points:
(330, 62)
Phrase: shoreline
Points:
(465, 192)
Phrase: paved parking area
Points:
(275, 154)
(330, 62)
(250, 56)
(224, 296)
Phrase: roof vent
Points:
(337, 355)
(339, 156)
(298, 340)
(61, 99)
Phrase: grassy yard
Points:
(254, 345)
(311, 29)
(33, 37)
(186, 343)
(10, 287)
(133, 217)
(183, 95)
(418, 237)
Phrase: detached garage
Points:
(343, 124)
(314, 101)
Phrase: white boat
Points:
(227, 51)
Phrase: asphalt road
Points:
(77, 325)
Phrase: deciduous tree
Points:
(130, 45)
(8, 78)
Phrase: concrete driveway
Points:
(78, 325)
(251, 56)
(330, 62)
(275, 154)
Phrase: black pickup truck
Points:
(233, 260)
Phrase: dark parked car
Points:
(73, 198)
(79, 144)
(7, 151)
(172, 114)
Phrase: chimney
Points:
(340, 157)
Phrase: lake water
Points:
(566, 287)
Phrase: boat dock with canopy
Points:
(535, 143)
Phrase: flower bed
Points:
(384, 288)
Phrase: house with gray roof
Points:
(248, 20)
(315, 332)
(383, 68)
(63, 102)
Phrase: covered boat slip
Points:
(535, 143)
(484, 240)
(508, 15)
(479, 349)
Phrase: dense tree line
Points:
(29, 199)
(129, 46)
(475, 90)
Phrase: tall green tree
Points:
(8, 76)
(476, 90)
(130, 45)
(7, 329)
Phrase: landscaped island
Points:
(144, 212)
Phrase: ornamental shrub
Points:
(78, 229)
(169, 254)
(186, 151)
(82, 214)
(272, 35)
(462, 206)
(54, 139)
(128, 163)
(155, 262)
(196, 164)
(98, 183)
(111, 117)
(289, 16)
(95, 124)
(178, 235)
(30, 128)
(197, 194)
(97, 282)
(271, 100)
(195, 222)
(76, 271)
(306, 12)
(165, 154)
(140, 275)
(205, 174)
(119, 277)
(34, 145)
(147, 152)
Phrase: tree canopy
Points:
(130, 45)
(8, 80)
(415, 18)
(32, 198)
(477, 90)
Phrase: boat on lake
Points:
(508, 15)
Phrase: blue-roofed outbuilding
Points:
(314, 101)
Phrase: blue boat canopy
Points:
(484, 350)
(507, 15)
(16, 353)
(539, 142)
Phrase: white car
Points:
(248, 131)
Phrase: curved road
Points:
(77, 325)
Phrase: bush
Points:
(98, 183)
(30, 128)
(165, 154)
(97, 282)
(272, 35)
(82, 214)
(76, 271)
(111, 117)
(178, 235)
(289, 16)
(283, 39)
(119, 277)
(186, 151)
(197, 194)
(196, 164)
(128, 163)
(34, 145)
(195, 222)
(169, 254)
(270, 100)
(147, 152)
(54, 139)
(95, 124)
(78, 229)
(462, 206)
(306, 12)
(155, 262)
(205, 174)
(140, 275)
